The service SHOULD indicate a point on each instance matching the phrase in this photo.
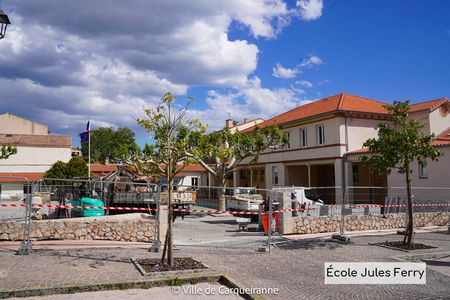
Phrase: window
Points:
(303, 137)
(320, 134)
(194, 181)
(423, 169)
(262, 174)
(355, 172)
(274, 175)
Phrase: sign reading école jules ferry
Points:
(375, 273)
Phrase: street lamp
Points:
(4, 21)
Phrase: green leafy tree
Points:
(76, 167)
(7, 151)
(220, 152)
(108, 143)
(399, 143)
(171, 130)
(58, 170)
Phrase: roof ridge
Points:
(443, 134)
(307, 104)
(341, 101)
(427, 101)
(378, 101)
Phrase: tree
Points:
(399, 143)
(220, 152)
(76, 167)
(171, 130)
(7, 151)
(107, 143)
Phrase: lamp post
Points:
(4, 21)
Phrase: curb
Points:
(137, 284)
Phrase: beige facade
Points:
(326, 160)
(37, 151)
(11, 124)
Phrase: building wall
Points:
(11, 191)
(439, 122)
(424, 118)
(359, 130)
(10, 124)
(436, 173)
(34, 159)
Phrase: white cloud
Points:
(250, 101)
(304, 83)
(310, 9)
(311, 61)
(281, 72)
(109, 59)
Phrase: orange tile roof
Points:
(359, 151)
(429, 105)
(443, 139)
(193, 168)
(100, 168)
(36, 140)
(336, 103)
(31, 176)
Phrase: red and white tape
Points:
(210, 211)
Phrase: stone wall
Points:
(365, 222)
(127, 227)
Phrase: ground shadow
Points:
(309, 244)
(437, 263)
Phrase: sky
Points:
(63, 63)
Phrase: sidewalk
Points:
(295, 266)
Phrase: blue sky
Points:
(250, 58)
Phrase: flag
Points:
(84, 136)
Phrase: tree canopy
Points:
(171, 130)
(7, 151)
(399, 143)
(109, 143)
(76, 167)
(220, 152)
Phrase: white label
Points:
(375, 273)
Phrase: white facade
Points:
(37, 151)
(34, 159)
(327, 164)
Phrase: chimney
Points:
(229, 123)
(245, 120)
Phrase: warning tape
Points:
(210, 211)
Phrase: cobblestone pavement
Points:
(199, 291)
(295, 267)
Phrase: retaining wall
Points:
(127, 227)
(365, 222)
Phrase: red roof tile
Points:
(193, 168)
(36, 140)
(100, 168)
(429, 105)
(359, 151)
(340, 102)
(443, 139)
(31, 176)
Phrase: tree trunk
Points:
(409, 233)
(169, 227)
(222, 198)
